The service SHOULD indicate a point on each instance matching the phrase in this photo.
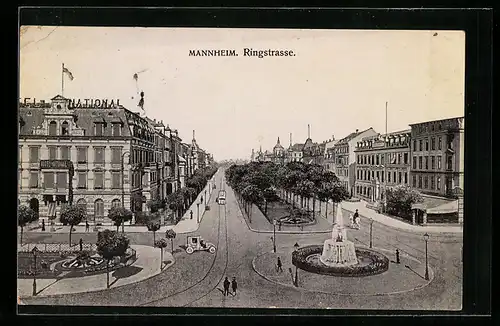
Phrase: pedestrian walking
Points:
(397, 256)
(43, 225)
(279, 265)
(81, 244)
(356, 215)
(191, 214)
(351, 220)
(234, 285)
(226, 286)
(87, 226)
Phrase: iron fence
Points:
(56, 247)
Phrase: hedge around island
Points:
(379, 265)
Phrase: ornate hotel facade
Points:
(97, 157)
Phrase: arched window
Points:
(82, 203)
(98, 209)
(52, 128)
(65, 128)
(116, 203)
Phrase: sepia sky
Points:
(338, 81)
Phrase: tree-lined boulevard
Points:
(196, 279)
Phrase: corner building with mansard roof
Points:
(97, 157)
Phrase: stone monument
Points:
(338, 251)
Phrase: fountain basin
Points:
(369, 262)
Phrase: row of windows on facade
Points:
(368, 175)
(423, 162)
(342, 149)
(342, 172)
(429, 182)
(99, 155)
(389, 141)
(432, 145)
(59, 180)
(98, 205)
(364, 190)
(99, 129)
(379, 159)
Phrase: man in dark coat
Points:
(81, 244)
(279, 265)
(234, 285)
(226, 286)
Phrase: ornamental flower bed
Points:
(378, 263)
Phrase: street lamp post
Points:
(371, 232)
(274, 236)
(296, 246)
(34, 251)
(197, 212)
(426, 238)
(206, 197)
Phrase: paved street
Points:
(196, 279)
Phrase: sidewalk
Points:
(380, 218)
(394, 223)
(147, 265)
(185, 225)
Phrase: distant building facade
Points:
(382, 161)
(437, 156)
(345, 160)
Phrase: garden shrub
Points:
(380, 263)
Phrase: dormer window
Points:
(99, 129)
(65, 128)
(58, 106)
(117, 129)
(52, 128)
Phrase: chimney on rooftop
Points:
(357, 130)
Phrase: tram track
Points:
(225, 266)
(212, 265)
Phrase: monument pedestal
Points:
(338, 253)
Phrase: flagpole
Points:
(62, 81)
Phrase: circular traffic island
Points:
(374, 274)
(369, 262)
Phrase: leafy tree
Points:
(154, 205)
(170, 234)
(162, 244)
(119, 215)
(111, 244)
(176, 202)
(252, 195)
(25, 215)
(400, 199)
(72, 215)
(153, 226)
